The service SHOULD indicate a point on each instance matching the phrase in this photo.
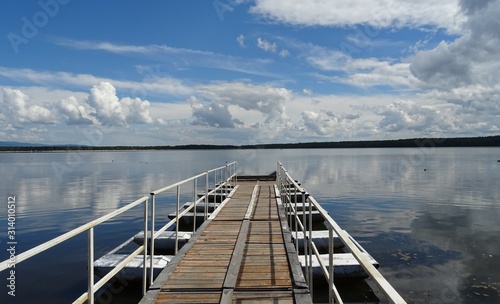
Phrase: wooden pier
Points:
(242, 254)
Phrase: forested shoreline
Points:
(489, 141)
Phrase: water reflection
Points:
(430, 218)
(432, 225)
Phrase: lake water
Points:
(430, 217)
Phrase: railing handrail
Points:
(372, 272)
(169, 187)
(70, 234)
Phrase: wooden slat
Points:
(181, 298)
(263, 298)
(234, 266)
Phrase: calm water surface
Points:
(430, 217)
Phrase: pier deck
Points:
(242, 254)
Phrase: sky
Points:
(247, 72)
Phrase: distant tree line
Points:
(489, 141)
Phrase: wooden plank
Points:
(267, 274)
(265, 246)
(209, 269)
(264, 284)
(194, 282)
(195, 276)
(272, 238)
(201, 283)
(256, 261)
(264, 297)
(253, 200)
(209, 298)
(194, 285)
(234, 267)
(269, 268)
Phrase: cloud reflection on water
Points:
(433, 226)
(435, 232)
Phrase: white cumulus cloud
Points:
(444, 14)
(112, 111)
(73, 111)
(108, 109)
(101, 107)
(136, 110)
(16, 109)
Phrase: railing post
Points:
(289, 194)
(153, 203)
(330, 263)
(215, 186)
(225, 180)
(235, 173)
(309, 242)
(229, 173)
(194, 202)
(145, 255)
(177, 220)
(295, 217)
(304, 231)
(206, 195)
(90, 265)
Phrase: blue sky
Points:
(247, 72)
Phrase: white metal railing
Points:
(224, 177)
(290, 190)
(89, 227)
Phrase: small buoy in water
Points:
(425, 169)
